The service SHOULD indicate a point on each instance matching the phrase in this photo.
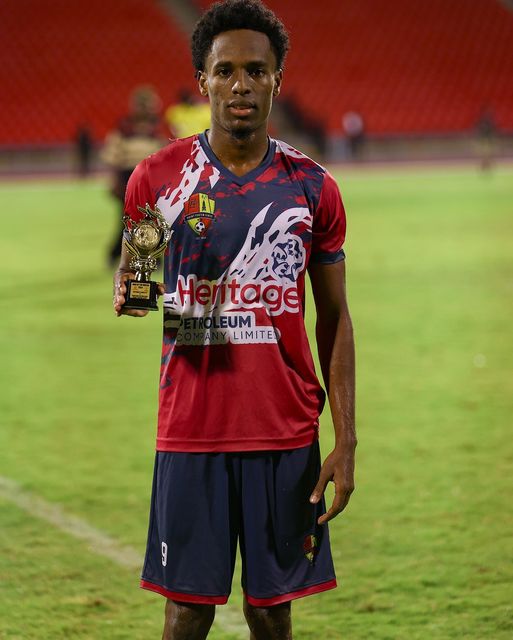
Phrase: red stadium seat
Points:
(407, 67)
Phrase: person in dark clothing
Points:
(137, 135)
(84, 150)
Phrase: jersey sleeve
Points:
(329, 224)
(138, 192)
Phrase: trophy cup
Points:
(145, 240)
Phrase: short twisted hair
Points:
(237, 14)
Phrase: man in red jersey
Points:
(237, 445)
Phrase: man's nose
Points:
(241, 84)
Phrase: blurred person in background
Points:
(137, 134)
(188, 116)
(84, 147)
(486, 132)
(238, 456)
(354, 132)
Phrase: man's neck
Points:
(239, 154)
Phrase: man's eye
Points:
(223, 72)
(257, 72)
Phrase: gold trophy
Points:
(145, 240)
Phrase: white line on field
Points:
(98, 542)
(228, 618)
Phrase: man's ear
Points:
(278, 79)
(202, 83)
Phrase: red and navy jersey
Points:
(237, 373)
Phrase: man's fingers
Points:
(120, 292)
(136, 313)
(161, 289)
(339, 504)
(320, 487)
(119, 298)
(329, 515)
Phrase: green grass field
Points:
(424, 550)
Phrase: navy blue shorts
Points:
(203, 503)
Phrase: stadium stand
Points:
(66, 63)
(408, 67)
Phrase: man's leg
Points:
(186, 621)
(269, 623)
(285, 553)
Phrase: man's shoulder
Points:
(176, 150)
(297, 158)
(165, 164)
(302, 170)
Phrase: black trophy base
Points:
(141, 295)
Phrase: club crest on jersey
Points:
(310, 548)
(198, 213)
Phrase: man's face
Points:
(240, 79)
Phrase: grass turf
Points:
(424, 549)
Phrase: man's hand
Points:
(335, 344)
(338, 467)
(120, 278)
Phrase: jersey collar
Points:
(247, 177)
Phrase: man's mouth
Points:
(241, 109)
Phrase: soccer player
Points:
(237, 444)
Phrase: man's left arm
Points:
(335, 344)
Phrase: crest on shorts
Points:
(198, 213)
(310, 548)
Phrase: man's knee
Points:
(187, 621)
(269, 623)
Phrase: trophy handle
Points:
(156, 214)
(130, 247)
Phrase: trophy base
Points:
(141, 295)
